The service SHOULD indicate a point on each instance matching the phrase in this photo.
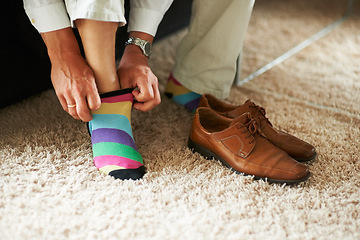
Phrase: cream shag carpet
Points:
(50, 189)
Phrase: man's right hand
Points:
(72, 78)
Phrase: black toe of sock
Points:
(125, 174)
(169, 95)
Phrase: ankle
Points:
(182, 95)
(110, 86)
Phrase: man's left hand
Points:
(134, 72)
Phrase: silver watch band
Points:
(144, 45)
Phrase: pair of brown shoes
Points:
(243, 139)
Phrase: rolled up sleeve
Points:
(146, 15)
(47, 16)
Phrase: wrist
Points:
(139, 42)
(142, 44)
(133, 49)
(142, 35)
(133, 54)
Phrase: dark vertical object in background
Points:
(176, 18)
(122, 34)
(24, 63)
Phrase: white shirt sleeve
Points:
(47, 15)
(146, 15)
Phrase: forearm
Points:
(60, 43)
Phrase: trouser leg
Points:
(206, 57)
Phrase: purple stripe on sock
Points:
(105, 160)
(112, 135)
(121, 98)
(192, 105)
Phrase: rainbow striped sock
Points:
(181, 94)
(114, 149)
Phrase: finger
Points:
(144, 93)
(157, 96)
(93, 100)
(146, 106)
(83, 110)
(63, 103)
(70, 104)
(71, 108)
(82, 107)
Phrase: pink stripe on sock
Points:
(105, 160)
(171, 77)
(121, 98)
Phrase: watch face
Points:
(148, 48)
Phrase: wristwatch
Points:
(144, 45)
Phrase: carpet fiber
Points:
(50, 188)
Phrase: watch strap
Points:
(144, 45)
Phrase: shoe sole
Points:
(210, 155)
(306, 159)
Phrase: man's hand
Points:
(74, 84)
(72, 78)
(134, 72)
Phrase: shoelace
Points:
(262, 112)
(252, 128)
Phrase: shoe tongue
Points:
(241, 109)
(243, 119)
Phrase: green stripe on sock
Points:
(110, 148)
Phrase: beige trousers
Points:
(206, 57)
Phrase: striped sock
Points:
(181, 94)
(113, 144)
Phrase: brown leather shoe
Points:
(239, 145)
(296, 148)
